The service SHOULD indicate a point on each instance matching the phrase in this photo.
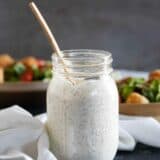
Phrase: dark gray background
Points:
(130, 29)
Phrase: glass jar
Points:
(83, 117)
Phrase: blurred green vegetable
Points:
(130, 85)
(125, 91)
(48, 73)
(13, 72)
(37, 74)
(152, 91)
(19, 68)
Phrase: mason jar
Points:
(82, 107)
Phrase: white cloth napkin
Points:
(134, 129)
(23, 137)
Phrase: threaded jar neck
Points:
(84, 63)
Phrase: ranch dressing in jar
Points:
(83, 118)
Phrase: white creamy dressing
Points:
(83, 119)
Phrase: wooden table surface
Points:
(141, 152)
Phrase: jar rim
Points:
(70, 55)
(102, 53)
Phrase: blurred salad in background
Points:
(140, 90)
(27, 69)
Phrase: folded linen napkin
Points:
(23, 137)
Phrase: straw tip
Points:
(31, 3)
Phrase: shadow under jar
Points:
(83, 117)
